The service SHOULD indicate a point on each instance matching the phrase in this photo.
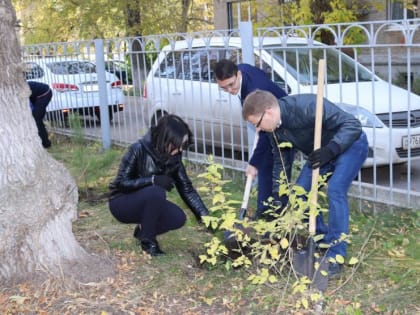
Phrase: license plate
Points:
(414, 142)
(91, 88)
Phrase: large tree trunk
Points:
(38, 197)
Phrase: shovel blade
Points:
(300, 262)
(304, 264)
(228, 236)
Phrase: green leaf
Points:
(285, 145)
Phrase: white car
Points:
(75, 86)
(181, 82)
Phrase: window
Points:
(71, 67)
(33, 71)
(167, 67)
(190, 64)
(298, 62)
(397, 11)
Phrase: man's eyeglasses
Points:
(229, 86)
(257, 125)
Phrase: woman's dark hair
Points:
(225, 69)
(170, 131)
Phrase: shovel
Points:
(304, 259)
(228, 238)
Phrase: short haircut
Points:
(257, 102)
(225, 69)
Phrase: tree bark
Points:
(318, 7)
(38, 197)
(186, 4)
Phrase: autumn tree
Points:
(62, 20)
(310, 12)
(38, 195)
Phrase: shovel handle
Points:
(247, 192)
(248, 184)
(317, 145)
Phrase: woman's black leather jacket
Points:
(141, 162)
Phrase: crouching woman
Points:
(151, 167)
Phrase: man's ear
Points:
(270, 111)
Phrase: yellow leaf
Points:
(305, 303)
(18, 299)
(396, 253)
(208, 301)
(274, 253)
(284, 243)
(353, 261)
(339, 259)
(316, 297)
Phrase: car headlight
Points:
(366, 118)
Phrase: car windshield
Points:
(33, 71)
(302, 63)
(71, 67)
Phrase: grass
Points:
(386, 280)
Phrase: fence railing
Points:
(373, 71)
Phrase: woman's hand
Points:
(163, 181)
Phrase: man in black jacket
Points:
(39, 99)
(344, 148)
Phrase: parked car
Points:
(181, 82)
(75, 86)
(121, 69)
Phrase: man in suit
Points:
(39, 99)
(240, 80)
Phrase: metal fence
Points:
(154, 75)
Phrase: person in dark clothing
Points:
(344, 148)
(241, 80)
(151, 167)
(39, 99)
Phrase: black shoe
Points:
(334, 269)
(136, 232)
(152, 248)
(46, 144)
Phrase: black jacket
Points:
(339, 128)
(141, 161)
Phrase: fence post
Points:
(247, 41)
(103, 95)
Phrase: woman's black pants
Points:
(149, 208)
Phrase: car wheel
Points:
(110, 115)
